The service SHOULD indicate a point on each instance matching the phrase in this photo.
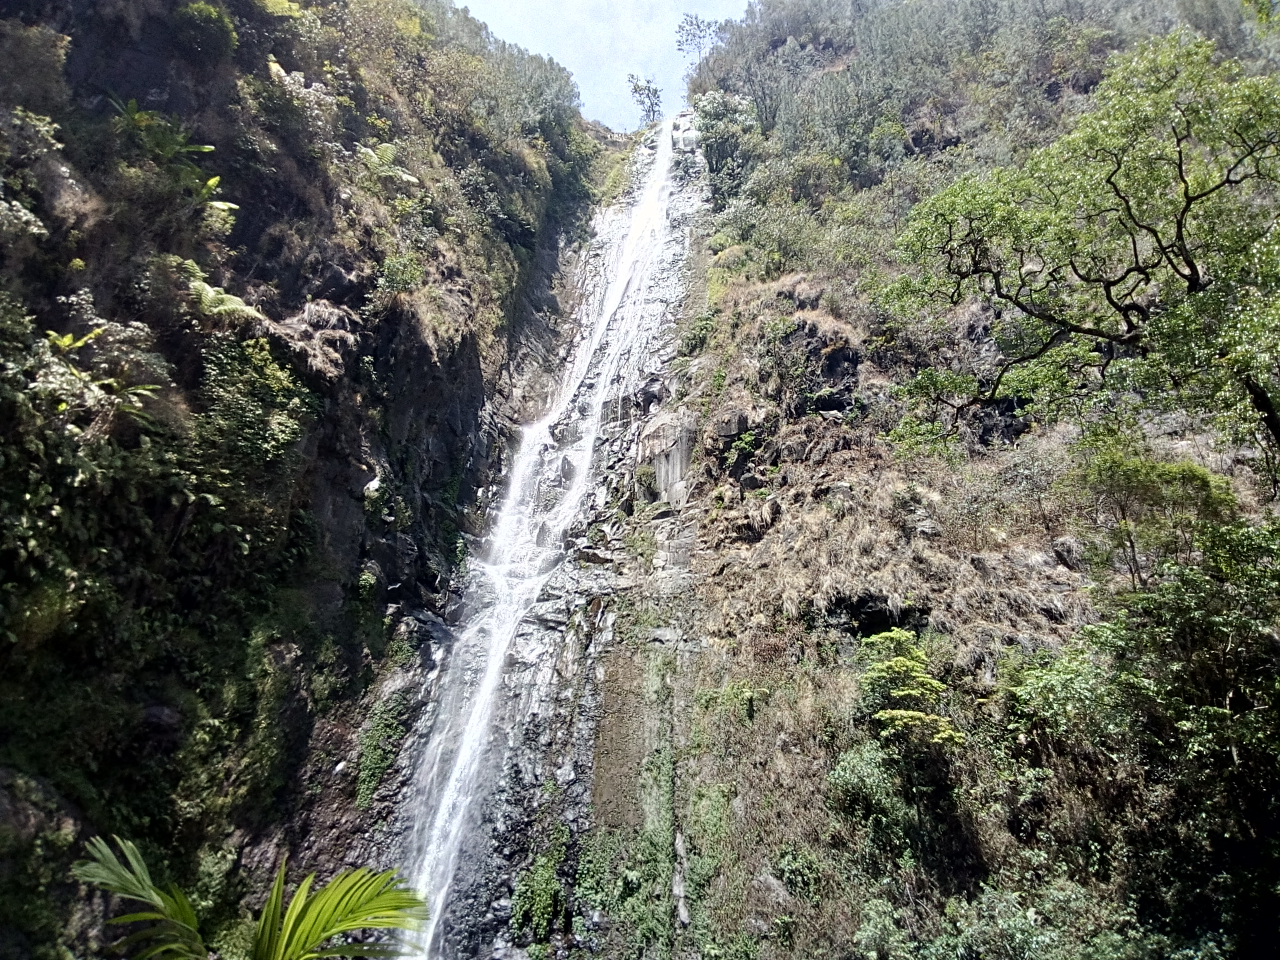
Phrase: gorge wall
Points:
(293, 267)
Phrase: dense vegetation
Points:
(1008, 269)
(220, 222)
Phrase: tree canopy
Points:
(1143, 241)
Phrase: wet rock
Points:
(650, 395)
(684, 137)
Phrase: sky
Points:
(601, 41)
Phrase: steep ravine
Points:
(657, 763)
(504, 747)
(335, 303)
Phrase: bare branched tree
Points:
(647, 97)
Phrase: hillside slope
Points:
(263, 276)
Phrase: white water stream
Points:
(626, 277)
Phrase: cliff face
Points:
(892, 637)
(293, 264)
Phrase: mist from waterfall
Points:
(635, 249)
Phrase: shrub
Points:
(647, 479)
(800, 872)
(864, 785)
(204, 33)
(897, 686)
(697, 335)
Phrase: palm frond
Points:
(354, 900)
(173, 933)
(267, 940)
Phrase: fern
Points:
(380, 161)
(214, 302)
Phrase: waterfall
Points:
(629, 277)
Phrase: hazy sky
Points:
(601, 41)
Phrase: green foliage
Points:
(1149, 511)
(354, 900)
(380, 744)
(737, 698)
(401, 274)
(864, 785)
(154, 138)
(1183, 681)
(899, 690)
(697, 335)
(1033, 213)
(879, 936)
(718, 380)
(1123, 231)
(173, 923)
(539, 897)
(205, 33)
(800, 871)
(154, 525)
(647, 97)
(730, 142)
(647, 479)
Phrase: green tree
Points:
(694, 35)
(1182, 684)
(1137, 248)
(353, 900)
(647, 97)
(205, 33)
(897, 686)
(731, 142)
(1149, 512)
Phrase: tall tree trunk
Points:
(1261, 401)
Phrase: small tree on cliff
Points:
(647, 97)
(353, 900)
(694, 36)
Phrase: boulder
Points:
(731, 425)
(683, 135)
(666, 443)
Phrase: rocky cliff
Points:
(295, 269)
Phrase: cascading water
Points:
(629, 278)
